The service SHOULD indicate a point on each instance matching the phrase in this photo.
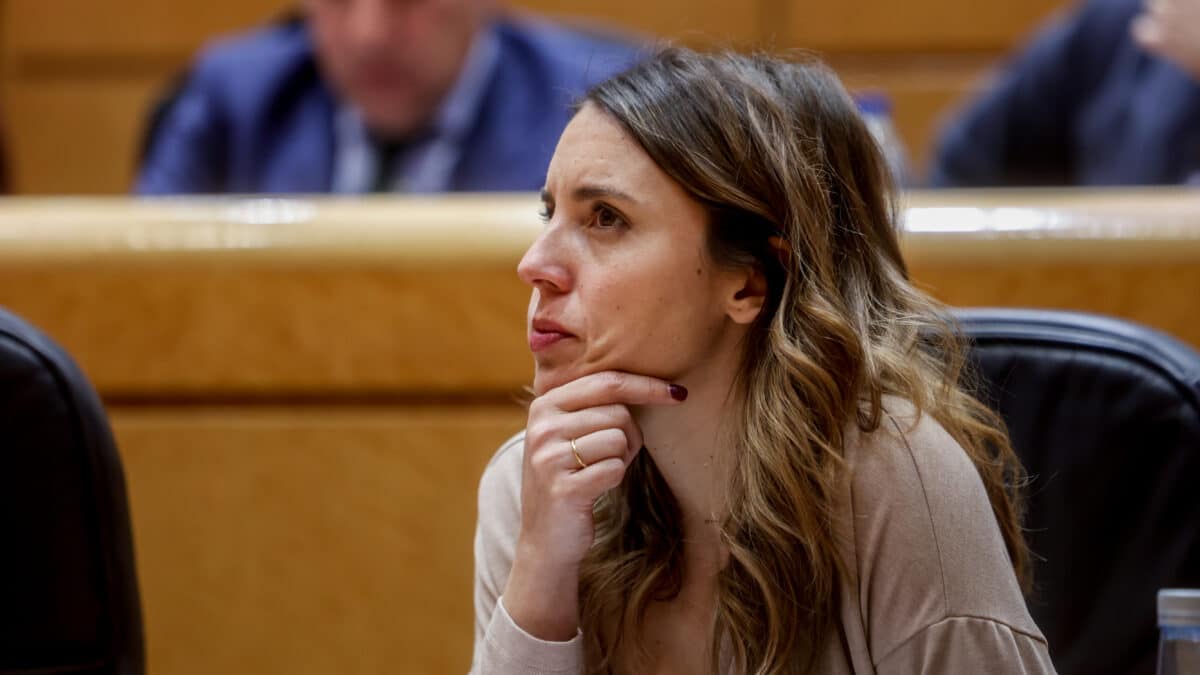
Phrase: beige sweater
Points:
(930, 588)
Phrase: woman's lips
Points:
(539, 340)
(544, 333)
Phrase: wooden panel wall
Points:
(77, 76)
(307, 539)
(926, 26)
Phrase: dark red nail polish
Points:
(678, 392)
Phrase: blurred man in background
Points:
(1109, 95)
(376, 96)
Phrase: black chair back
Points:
(1105, 414)
(68, 589)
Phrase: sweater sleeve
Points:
(964, 644)
(936, 592)
(501, 646)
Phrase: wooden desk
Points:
(305, 391)
(1132, 254)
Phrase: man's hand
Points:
(1171, 29)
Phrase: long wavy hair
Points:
(793, 184)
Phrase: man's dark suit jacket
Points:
(1084, 105)
(254, 115)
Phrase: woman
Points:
(748, 451)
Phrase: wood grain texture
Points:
(362, 332)
(307, 540)
(1163, 296)
(699, 23)
(34, 27)
(76, 136)
(353, 331)
(929, 25)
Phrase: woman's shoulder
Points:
(924, 545)
(911, 455)
(500, 485)
(508, 455)
(498, 524)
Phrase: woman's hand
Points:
(559, 489)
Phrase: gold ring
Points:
(575, 451)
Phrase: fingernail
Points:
(678, 392)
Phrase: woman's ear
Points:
(749, 295)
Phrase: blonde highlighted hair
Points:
(777, 153)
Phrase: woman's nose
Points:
(545, 264)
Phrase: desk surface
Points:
(230, 297)
(1114, 226)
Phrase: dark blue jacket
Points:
(1083, 105)
(253, 114)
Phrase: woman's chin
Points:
(547, 377)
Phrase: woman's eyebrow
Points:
(584, 192)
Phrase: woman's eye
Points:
(545, 213)
(607, 219)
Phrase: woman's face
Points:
(621, 275)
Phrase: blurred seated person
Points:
(358, 96)
(1109, 95)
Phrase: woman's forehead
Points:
(596, 152)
